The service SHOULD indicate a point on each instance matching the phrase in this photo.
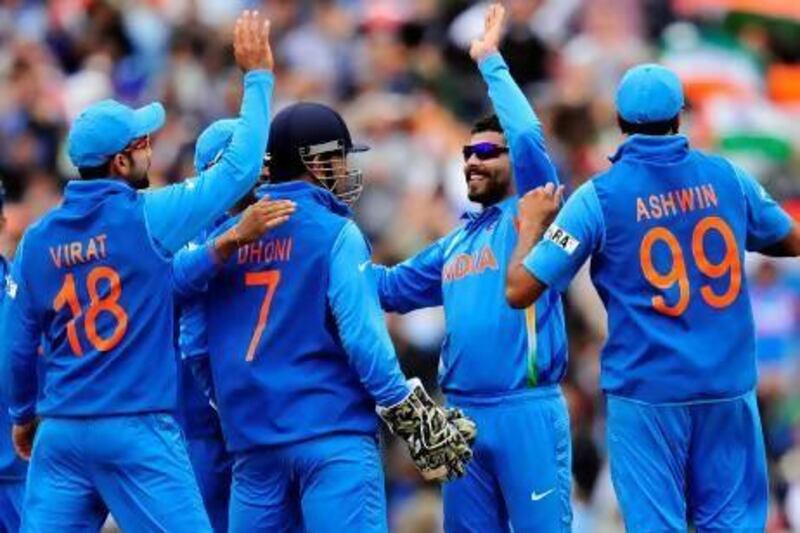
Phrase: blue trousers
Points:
(520, 475)
(134, 466)
(11, 493)
(212, 468)
(705, 461)
(328, 484)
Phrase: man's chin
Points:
(141, 184)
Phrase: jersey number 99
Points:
(677, 274)
(108, 303)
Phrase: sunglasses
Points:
(138, 144)
(484, 151)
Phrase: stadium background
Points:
(399, 72)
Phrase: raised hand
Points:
(489, 42)
(251, 42)
(538, 208)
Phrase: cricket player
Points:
(94, 279)
(667, 228)
(299, 355)
(12, 469)
(499, 365)
(198, 419)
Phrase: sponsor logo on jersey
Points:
(464, 265)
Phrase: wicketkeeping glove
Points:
(438, 439)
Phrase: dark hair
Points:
(662, 127)
(101, 171)
(98, 172)
(487, 123)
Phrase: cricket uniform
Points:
(12, 469)
(299, 356)
(198, 419)
(500, 365)
(94, 278)
(666, 228)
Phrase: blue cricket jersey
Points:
(12, 468)
(666, 228)
(94, 278)
(489, 349)
(298, 347)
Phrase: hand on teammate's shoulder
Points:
(251, 46)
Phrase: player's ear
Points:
(120, 165)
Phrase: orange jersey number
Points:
(730, 265)
(109, 303)
(270, 280)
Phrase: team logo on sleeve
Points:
(562, 239)
(11, 287)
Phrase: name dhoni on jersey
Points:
(266, 251)
(464, 265)
(676, 202)
(77, 252)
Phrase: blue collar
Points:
(475, 219)
(294, 190)
(3, 273)
(79, 190)
(664, 149)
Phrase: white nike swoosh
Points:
(536, 497)
(363, 266)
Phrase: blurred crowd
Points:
(399, 72)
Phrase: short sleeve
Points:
(578, 232)
(767, 222)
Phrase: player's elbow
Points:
(522, 289)
(516, 298)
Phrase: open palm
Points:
(489, 42)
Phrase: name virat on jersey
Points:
(77, 252)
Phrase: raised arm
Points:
(176, 214)
(549, 254)
(523, 130)
(413, 284)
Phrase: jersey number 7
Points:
(678, 274)
(270, 280)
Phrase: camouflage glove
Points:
(437, 439)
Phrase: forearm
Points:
(532, 166)
(513, 109)
(193, 268)
(176, 214)
(522, 288)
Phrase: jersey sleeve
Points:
(577, 233)
(531, 165)
(353, 300)
(413, 284)
(177, 213)
(23, 333)
(767, 222)
(193, 328)
(193, 267)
